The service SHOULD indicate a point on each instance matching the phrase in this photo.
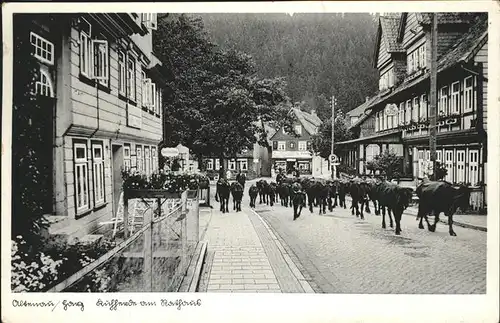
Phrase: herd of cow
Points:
(434, 197)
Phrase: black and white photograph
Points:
(327, 152)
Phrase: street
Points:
(339, 253)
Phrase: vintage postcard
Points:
(229, 161)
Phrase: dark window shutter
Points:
(275, 145)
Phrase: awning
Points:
(392, 137)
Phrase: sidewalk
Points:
(247, 258)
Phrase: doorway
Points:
(117, 155)
(290, 166)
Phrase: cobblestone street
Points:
(339, 253)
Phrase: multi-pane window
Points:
(302, 145)
(154, 158)
(243, 164)
(298, 129)
(455, 98)
(44, 84)
(281, 145)
(416, 59)
(81, 177)
(473, 166)
(210, 164)
(100, 61)
(415, 109)
(138, 154)
(408, 112)
(126, 157)
(131, 89)
(98, 173)
(42, 48)
(147, 161)
(423, 106)
(460, 166)
(443, 101)
(232, 164)
(401, 113)
(386, 80)
(468, 95)
(217, 164)
(94, 55)
(122, 74)
(448, 162)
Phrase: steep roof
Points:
(467, 46)
(446, 17)
(390, 25)
(463, 51)
(309, 121)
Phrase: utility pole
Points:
(433, 95)
(333, 104)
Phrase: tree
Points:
(215, 99)
(322, 141)
(387, 163)
(30, 167)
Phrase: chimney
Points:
(367, 98)
(313, 112)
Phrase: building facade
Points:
(290, 152)
(397, 118)
(107, 88)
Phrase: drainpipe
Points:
(97, 107)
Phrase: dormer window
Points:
(386, 80)
(150, 20)
(298, 129)
(416, 59)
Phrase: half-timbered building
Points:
(397, 117)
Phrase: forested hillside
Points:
(319, 54)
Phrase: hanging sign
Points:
(169, 152)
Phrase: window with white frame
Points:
(377, 121)
(138, 155)
(455, 98)
(232, 164)
(122, 74)
(44, 86)
(243, 164)
(416, 59)
(81, 177)
(443, 101)
(42, 48)
(98, 173)
(422, 62)
(210, 164)
(150, 20)
(101, 61)
(473, 167)
(448, 163)
(460, 166)
(126, 157)
(423, 106)
(131, 70)
(302, 145)
(401, 113)
(217, 164)
(439, 156)
(94, 55)
(147, 161)
(154, 158)
(298, 129)
(387, 79)
(408, 112)
(415, 107)
(468, 95)
(281, 145)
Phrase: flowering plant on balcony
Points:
(173, 183)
